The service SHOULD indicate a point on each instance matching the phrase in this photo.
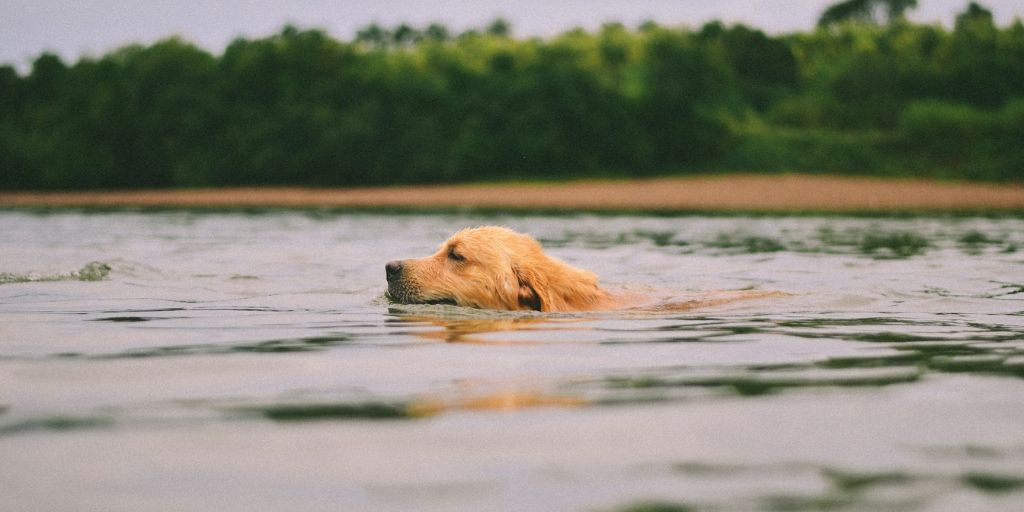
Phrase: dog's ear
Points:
(528, 297)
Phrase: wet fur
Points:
(493, 267)
(497, 268)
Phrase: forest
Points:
(865, 92)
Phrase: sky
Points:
(76, 28)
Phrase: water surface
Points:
(248, 360)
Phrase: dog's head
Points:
(494, 268)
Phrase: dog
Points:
(493, 267)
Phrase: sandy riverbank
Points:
(719, 193)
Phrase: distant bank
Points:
(719, 193)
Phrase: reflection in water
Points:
(838, 488)
(464, 325)
(503, 400)
(309, 344)
(55, 424)
(869, 238)
(467, 399)
(469, 330)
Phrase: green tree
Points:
(765, 67)
(374, 35)
(437, 32)
(500, 27)
(876, 12)
(974, 15)
(683, 85)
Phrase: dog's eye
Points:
(452, 255)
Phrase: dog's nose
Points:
(393, 269)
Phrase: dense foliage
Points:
(417, 106)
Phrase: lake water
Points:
(183, 360)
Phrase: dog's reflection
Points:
(486, 395)
(495, 400)
(487, 331)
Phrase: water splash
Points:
(92, 271)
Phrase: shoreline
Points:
(707, 193)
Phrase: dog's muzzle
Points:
(393, 270)
(405, 292)
(398, 288)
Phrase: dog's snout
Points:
(393, 269)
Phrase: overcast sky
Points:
(72, 28)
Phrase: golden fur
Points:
(495, 268)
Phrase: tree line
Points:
(861, 93)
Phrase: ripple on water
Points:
(821, 236)
(92, 271)
(836, 488)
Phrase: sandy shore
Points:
(719, 193)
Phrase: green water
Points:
(230, 361)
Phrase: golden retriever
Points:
(493, 267)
